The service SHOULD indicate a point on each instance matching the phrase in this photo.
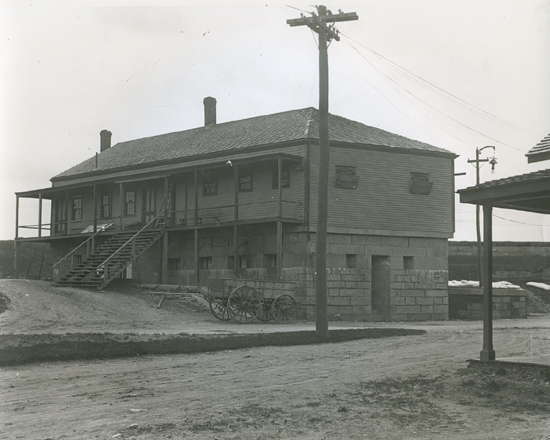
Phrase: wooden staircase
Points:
(110, 259)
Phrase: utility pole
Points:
(477, 161)
(323, 24)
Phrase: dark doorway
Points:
(380, 284)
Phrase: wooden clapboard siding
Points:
(382, 200)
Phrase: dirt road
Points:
(335, 391)
(413, 387)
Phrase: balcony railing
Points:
(206, 215)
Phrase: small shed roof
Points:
(539, 152)
(232, 137)
(525, 192)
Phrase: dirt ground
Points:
(412, 387)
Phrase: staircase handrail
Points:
(91, 237)
(102, 265)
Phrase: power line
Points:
(418, 79)
(391, 80)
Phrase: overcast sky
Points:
(458, 74)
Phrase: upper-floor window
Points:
(346, 177)
(285, 177)
(106, 206)
(245, 179)
(420, 183)
(130, 203)
(209, 187)
(76, 212)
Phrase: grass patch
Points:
(23, 349)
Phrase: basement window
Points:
(351, 261)
(173, 264)
(346, 177)
(270, 260)
(205, 262)
(420, 183)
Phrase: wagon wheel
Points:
(218, 307)
(283, 309)
(244, 304)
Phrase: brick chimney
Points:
(105, 140)
(209, 111)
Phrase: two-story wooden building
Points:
(238, 200)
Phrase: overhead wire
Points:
(385, 97)
(397, 85)
(418, 79)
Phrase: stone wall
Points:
(467, 303)
(512, 261)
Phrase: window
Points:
(77, 208)
(285, 177)
(205, 262)
(209, 186)
(408, 262)
(242, 262)
(270, 260)
(173, 264)
(420, 183)
(351, 261)
(346, 177)
(130, 203)
(245, 179)
(106, 206)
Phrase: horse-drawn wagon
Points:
(244, 304)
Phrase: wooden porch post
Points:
(40, 215)
(196, 221)
(16, 217)
(196, 198)
(16, 241)
(164, 273)
(196, 252)
(121, 203)
(66, 212)
(280, 217)
(488, 353)
(95, 208)
(236, 218)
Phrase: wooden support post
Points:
(16, 217)
(279, 261)
(40, 215)
(196, 252)
(95, 207)
(121, 203)
(279, 248)
(167, 202)
(236, 264)
(164, 277)
(235, 248)
(196, 198)
(487, 353)
(67, 212)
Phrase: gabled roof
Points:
(539, 152)
(235, 136)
